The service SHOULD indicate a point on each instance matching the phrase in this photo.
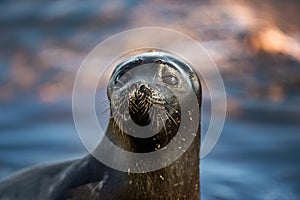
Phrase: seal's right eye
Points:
(123, 78)
(170, 80)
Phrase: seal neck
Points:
(179, 180)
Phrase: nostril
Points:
(144, 89)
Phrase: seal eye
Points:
(123, 78)
(170, 80)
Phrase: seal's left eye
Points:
(170, 80)
(123, 78)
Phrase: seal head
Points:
(143, 93)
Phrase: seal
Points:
(145, 115)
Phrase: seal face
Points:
(143, 93)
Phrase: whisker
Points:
(163, 123)
(167, 113)
(104, 100)
(176, 111)
(105, 111)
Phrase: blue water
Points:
(42, 44)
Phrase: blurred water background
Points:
(254, 43)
